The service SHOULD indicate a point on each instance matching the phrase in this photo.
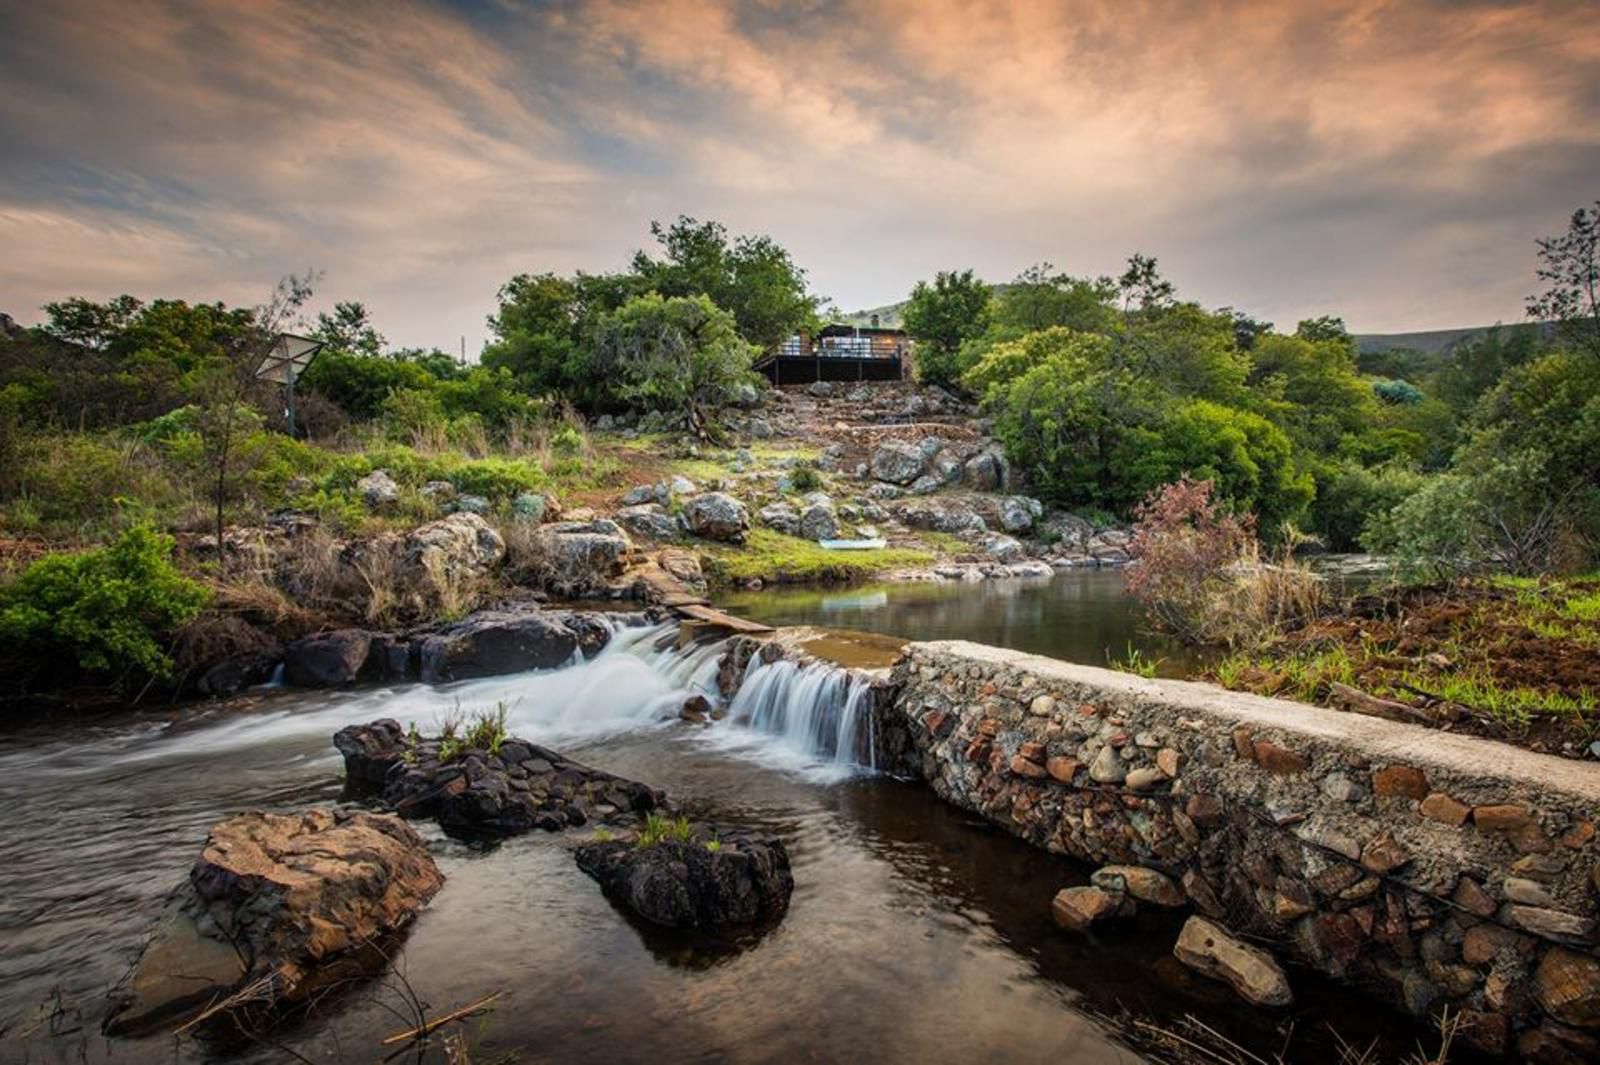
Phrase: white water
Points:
(808, 720)
(815, 716)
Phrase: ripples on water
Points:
(915, 933)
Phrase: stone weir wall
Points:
(1440, 870)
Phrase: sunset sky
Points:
(1390, 162)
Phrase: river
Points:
(916, 933)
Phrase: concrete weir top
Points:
(1454, 754)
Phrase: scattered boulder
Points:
(819, 522)
(1003, 547)
(745, 396)
(439, 492)
(583, 555)
(639, 493)
(370, 751)
(897, 463)
(460, 545)
(940, 517)
(717, 516)
(468, 504)
(1253, 973)
(650, 521)
(327, 660)
(719, 875)
(378, 490)
(780, 517)
(1018, 513)
(820, 389)
(286, 903)
(680, 486)
(1143, 884)
(1068, 530)
(987, 471)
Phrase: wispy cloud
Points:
(1391, 161)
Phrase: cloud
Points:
(1388, 161)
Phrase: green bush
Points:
(112, 608)
(1349, 497)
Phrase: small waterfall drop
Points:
(815, 708)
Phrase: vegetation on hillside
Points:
(1103, 390)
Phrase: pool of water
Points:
(916, 933)
(1082, 615)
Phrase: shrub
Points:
(111, 608)
(1184, 542)
(1200, 575)
(806, 479)
(1350, 498)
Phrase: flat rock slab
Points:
(274, 903)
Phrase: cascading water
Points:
(816, 708)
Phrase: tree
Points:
(89, 324)
(681, 355)
(1040, 298)
(752, 277)
(1142, 286)
(349, 329)
(941, 317)
(1248, 459)
(1327, 328)
(1570, 265)
(224, 382)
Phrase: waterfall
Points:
(816, 708)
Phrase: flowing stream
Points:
(915, 934)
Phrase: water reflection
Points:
(1083, 615)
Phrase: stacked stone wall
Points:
(1438, 870)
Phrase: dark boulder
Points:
(720, 875)
(328, 659)
(492, 642)
(370, 752)
(233, 675)
(488, 792)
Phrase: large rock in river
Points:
(486, 788)
(282, 904)
(491, 642)
(719, 875)
(328, 659)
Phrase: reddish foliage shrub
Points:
(1187, 546)
(1200, 574)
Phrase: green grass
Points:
(487, 731)
(1136, 662)
(773, 557)
(659, 829)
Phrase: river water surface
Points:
(916, 933)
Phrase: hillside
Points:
(1431, 342)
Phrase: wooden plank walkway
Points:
(712, 616)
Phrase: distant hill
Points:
(1433, 341)
(1430, 342)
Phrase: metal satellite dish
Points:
(284, 363)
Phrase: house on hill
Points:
(839, 353)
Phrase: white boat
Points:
(854, 545)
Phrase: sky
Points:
(1388, 162)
